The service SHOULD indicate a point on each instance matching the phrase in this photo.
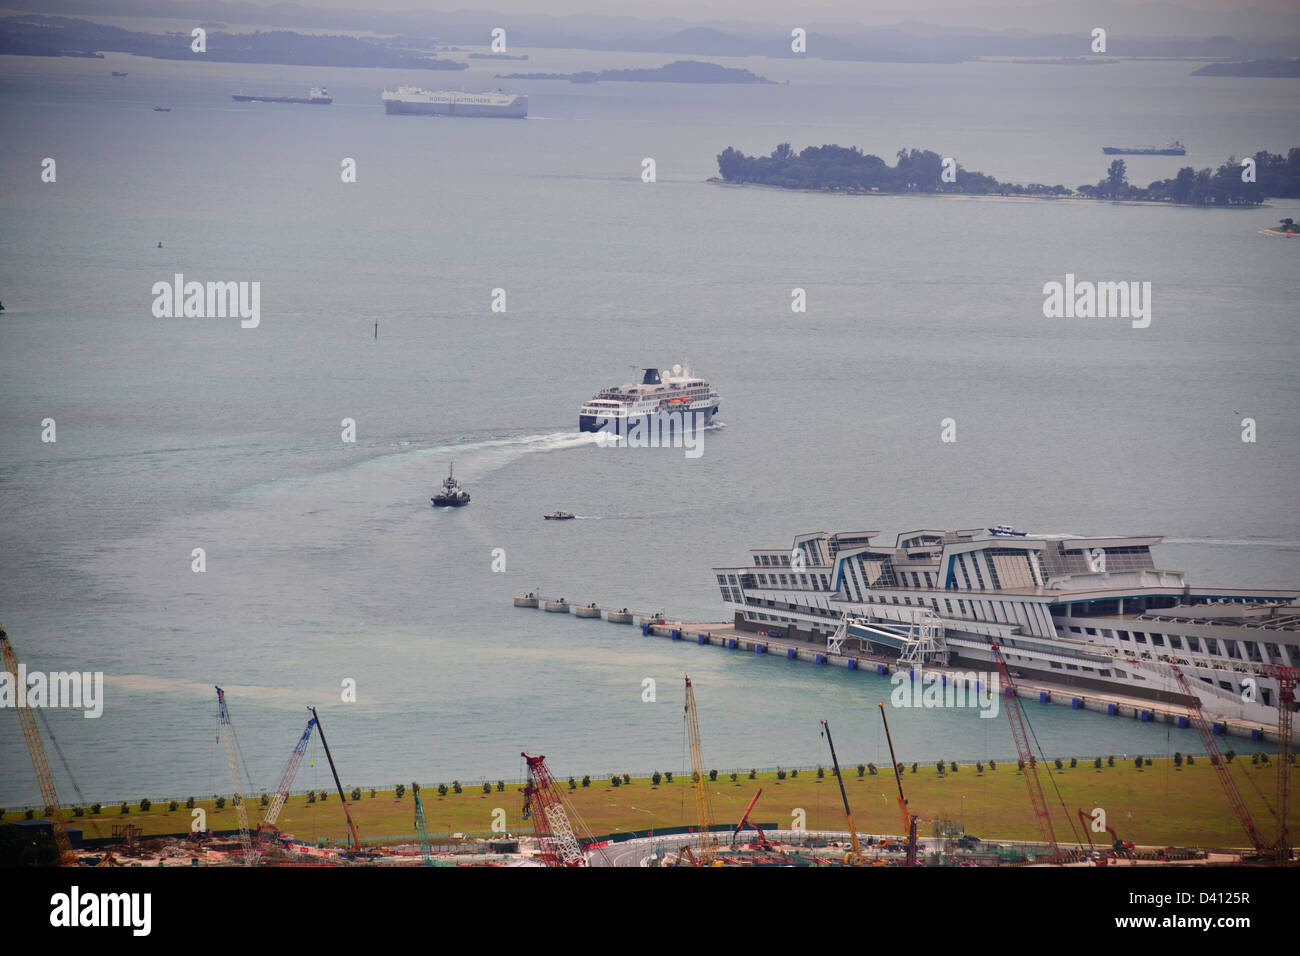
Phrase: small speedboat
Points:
(1006, 529)
(558, 516)
(162, 109)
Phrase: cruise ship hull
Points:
(664, 422)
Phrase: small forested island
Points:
(681, 71)
(1280, 67)
(846, 169)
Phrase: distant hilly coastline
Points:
(680, 71)
(35, 35)
(1280, 67)
(1213, 37)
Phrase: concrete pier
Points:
(725, 635)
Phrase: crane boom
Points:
(1286, 681)
(232, 762)
(1021, 736)
(703, 812)
(352, 827)
(49, 795)
(544, 803)
(855, 858)
(286, 781)
(744, 819)
(910, 819)
(422, 830)
(1217, 762)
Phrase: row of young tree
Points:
(657, 778)
(849, 169)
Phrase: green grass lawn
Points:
(1160, 804)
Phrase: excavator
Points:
(1119, 849)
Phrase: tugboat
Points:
(452, 494)
(558, 516)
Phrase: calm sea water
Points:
(325, 561)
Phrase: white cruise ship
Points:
(412, 99)
(670, 395)
(1083, 612)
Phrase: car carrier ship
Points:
(413, 100)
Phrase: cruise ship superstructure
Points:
(1084, 612)
(675, 392)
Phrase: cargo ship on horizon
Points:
(318, 96)
(1172, 149)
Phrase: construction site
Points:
(550, 829)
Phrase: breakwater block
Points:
(1111, 710)
(821, 658)
(702, 639)
(731, 643)
(789, 653)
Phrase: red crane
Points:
(1286, 681)
(1197, 717)
(545, 803)
(1018, 731)
(762, 843)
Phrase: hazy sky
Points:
(1003, 12)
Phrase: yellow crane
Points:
(49, 795)
(909, 818)
(708, 846)
(853, 858)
